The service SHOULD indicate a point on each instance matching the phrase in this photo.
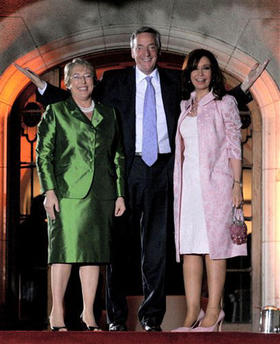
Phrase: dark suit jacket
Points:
(118, 88)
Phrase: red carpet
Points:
(75, 337)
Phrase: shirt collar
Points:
(141, 76)
(204, 100)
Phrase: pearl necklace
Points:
(87, 109)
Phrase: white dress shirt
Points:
(162, 131)
(42, 90)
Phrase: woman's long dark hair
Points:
(217, 83)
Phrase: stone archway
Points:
(234, 62)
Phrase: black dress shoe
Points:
(117, 327)
(150, 327)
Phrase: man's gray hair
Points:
(147, 29)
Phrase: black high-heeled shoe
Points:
(58, 328)
(86, 327)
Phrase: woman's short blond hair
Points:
(70, 65)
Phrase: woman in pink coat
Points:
(206, 185)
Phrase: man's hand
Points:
(39, 83)
(253, 75)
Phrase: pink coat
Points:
(219, 138)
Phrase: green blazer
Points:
(74, 153)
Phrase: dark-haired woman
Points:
(206, 185)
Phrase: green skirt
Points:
(81, 232)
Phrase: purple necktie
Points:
(149, 140)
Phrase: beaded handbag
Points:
(238, 228)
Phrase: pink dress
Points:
(193, 234)
(218, 140)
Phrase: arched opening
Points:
(265, 93)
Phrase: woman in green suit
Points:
(80, 163)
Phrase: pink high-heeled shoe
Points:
(188, 329)
(215, 327)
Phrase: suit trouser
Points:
(149, 190)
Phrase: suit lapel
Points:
(167, 90)
(128, 95)
(132, 96)
(97, 116)
(75, 111)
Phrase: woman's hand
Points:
(237, 195)
(119, 206)
(51, 204)
(253, 75)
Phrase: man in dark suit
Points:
(149, 186)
